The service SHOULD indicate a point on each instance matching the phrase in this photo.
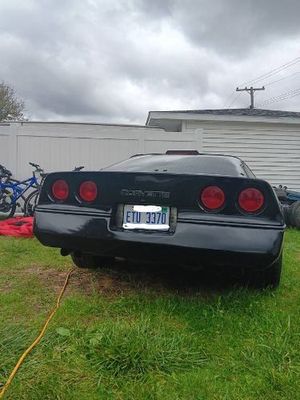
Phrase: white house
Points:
(269, 141)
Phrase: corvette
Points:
(182, 207)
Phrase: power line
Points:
(233, 101)
(228, 99)
(281, 79)
(266, 76)
(285, 94)
(285, 98)
(273, 72)
(281, 97)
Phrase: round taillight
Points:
(212, 197)
(251, 200)
(60, 190)
(88, 191)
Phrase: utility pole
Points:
(251, 91)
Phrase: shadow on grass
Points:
(170, 278)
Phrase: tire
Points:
(265, 278)
(30, 203)
(82, 260)
(7, 208)
(295, 214)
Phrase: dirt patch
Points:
(49, 276)
(151, 279)
(82, 280)
(91, 281)
(113, 281)
(111, 284)
(123, 278)
(5, 287)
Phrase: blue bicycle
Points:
(33, 198)
(12, 191)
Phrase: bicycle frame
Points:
(19, 188)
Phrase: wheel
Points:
(7, 207)
(295, 214)
(269, 277)
(83, 260)
(30, 203)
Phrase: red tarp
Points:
(18, 226)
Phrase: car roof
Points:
(202, 164)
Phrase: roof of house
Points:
(171, 120)
(255, 112)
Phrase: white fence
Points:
(62, 146)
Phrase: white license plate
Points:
(146, 217)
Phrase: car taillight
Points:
(60, 190)
(88, 191)
(212, 197)
(251, 200)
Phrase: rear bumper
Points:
(195, 244)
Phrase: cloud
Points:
(231, 27)
(113, 61)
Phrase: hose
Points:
(38, 339)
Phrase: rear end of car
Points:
(197, 220)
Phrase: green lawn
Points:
(126, 333)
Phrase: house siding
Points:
(272, 151)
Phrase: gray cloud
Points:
(114, 61)
(231, 26)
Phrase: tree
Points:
(11, 108)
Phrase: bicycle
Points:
(12, 190)
(5, 176)
(32, 200)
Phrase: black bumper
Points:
(196, 244)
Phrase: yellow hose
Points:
(37, 340)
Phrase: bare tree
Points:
(11, 108)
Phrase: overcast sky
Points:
(114, 60)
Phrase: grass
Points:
(126, 333)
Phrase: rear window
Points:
(182, 164)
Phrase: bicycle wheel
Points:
(7, 206)
(30, 203)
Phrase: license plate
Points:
(146, 217)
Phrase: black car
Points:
(182, 207)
